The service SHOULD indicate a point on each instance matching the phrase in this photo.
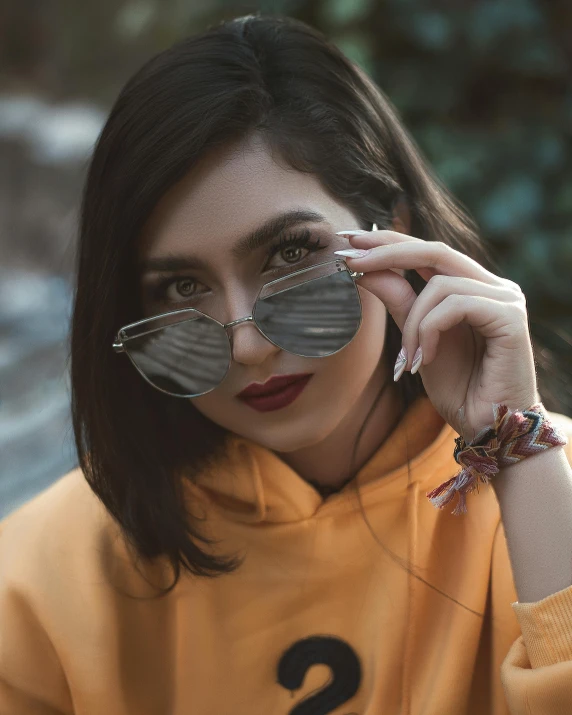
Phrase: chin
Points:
(293, 437)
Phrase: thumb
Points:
(394, 292)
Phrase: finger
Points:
(489, 317)
(368, 239)
(409, 253)
(436, 290)
(394, 292)
(371, 239)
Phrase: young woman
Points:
(249, 530)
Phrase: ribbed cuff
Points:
(546, 627)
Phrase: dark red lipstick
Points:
(277, 392)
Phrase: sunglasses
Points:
(314, 312)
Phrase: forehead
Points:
(228, 194)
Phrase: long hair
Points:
(276, 76)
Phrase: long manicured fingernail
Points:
(417, 360)
(400, 364)
(353, 252)
(351, 232)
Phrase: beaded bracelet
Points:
(515, 435)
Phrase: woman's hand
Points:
(469, 326)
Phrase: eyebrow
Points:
(246, 245)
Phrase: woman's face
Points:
(227, 196)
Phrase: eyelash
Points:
(299, 239)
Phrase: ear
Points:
(401, 220)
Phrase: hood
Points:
(251, 483)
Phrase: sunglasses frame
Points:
(119, 347)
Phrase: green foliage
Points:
(485, 90)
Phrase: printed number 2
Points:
(342, 659)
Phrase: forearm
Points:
(535, 498)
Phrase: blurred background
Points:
(484, 86)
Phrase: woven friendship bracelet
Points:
(514, 436)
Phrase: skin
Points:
(228, 194)
(471, 328)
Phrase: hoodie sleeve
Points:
(32, 681)
(537, 671)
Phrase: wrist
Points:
(513, 436)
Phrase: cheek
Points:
(351, 368)
(210, 405)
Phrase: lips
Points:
(270, 402)
(271, 386)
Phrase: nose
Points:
(249, 346)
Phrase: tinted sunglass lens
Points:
(185, 359)
(314, 318)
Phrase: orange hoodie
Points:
(318, 619)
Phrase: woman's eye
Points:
(176, 289)
(290, 251)
(291, 254)
(293, 249)
(186, 287)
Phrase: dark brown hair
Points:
(322, 114)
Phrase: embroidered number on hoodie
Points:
(327, 650)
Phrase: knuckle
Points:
(513, 286)
(437, 281)
(453, 300)
(518, 296)
(521, 308)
